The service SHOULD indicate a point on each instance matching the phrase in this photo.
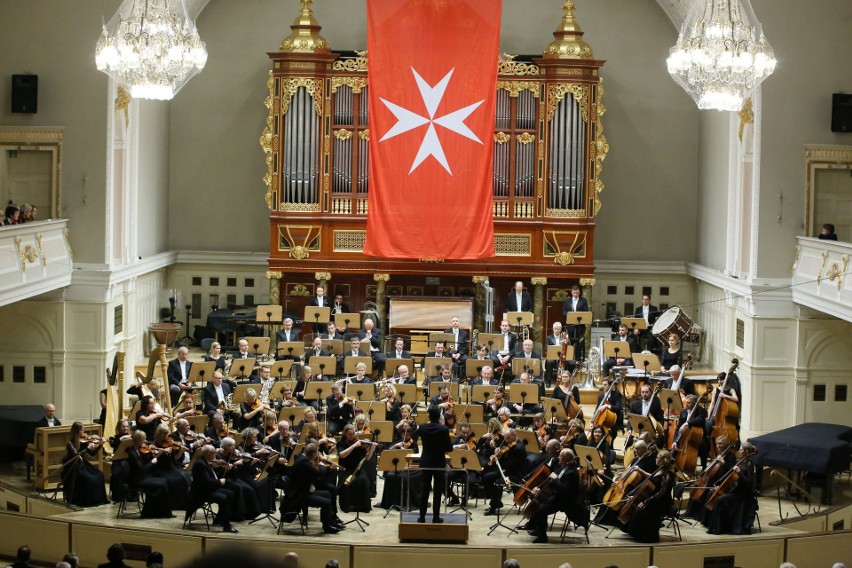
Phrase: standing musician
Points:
(613, 402)
(644, 524)
(339, 410)
(305, 474)
(460, 346)
(398, 351)
(519, 300)
(650, 314)
(252, 410)
(575, 303)
(319, 301)
(207, 486)
(693, 416)
(732, 391)
(624, 359)
(735, 511)
(566, 496)
(352, 453)
(436, 442)
(215, 394)
(513, 460)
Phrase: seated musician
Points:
(332, 332)
(496, 402)
(361, 377)
(482, 354)
(169, 466)
(316, 350)
(673, 355)
(735, 511)
(405, 376)
(440, 352)
(464, 439)
(215, 394)
(186, 406)
(354, 486)
(269, 426)
(489, 442)
(374, 337)
(564, 389)
(460, 347)
(217, 429)
(288, 334)
(566, 496)
(550, 367)
(339, 410)
(139, 478)
(354, 350)
(120, 467)
(339, 306)
(215, 355)
(679, 383)
(716, 469)
(613, 402)
(513, 460)
(149, 417)
(623, 360)
(543, 430)
(264, 489)
(394, 479)
(647, 405)
(645, 521)
(207, 486)
(731, 391)
(178, 374)
(529, 355)
(82, 482)
(236, 466)
(282, 443)
(599, 481)
(243, 350)
(260, 376)
(504, 353)
(576, 436)
(504, 416)
(310, 418)
(398, 351)
(442, 400)
(692, 416)
(305, 474)
(405, 417)
(527, 407)
(314, 432)
(486, 377)
(288, 400)
(387, 395)
(186, 438)
(445, 376)
(252, 410)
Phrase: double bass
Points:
(725, 413)
(604, 416)
(638, 495)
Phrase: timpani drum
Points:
(703, 384)
(673, 321)
(631, 384)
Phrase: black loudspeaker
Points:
(25, 93)
(841, 112)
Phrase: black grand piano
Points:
(818, 449)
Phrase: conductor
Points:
(435, 441)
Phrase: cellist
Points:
(736, 510)
(646, 519)
(639, 469)
(565, 496)
(731, 391)
(693, 416)
(724, 461)
(613, 402)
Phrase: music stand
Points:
(262, 476)
(468, 460)
(280, 369)
(269, 314)
(481, 393)
(554, 352)
(525, 394)
(639, 424)
(258, 346)
(588, 456)
(393, 461)
(469, 413)
(407, 394)
(290, 348)
(317, 315)
(529, 439)
(297, 449)
(293, 414)
(343, 321)
(479, 429)
(196, 455)
(120, 452)
(278, 388)
(578, 318)
(325, 365)
(333, 346)
(440, 337)
(240, 393)
(647, 361)
(358, 391)
(197, 423)
(523, 365)
(201, 372)
(382, 430)
(434, 364)
(391, 365)
(350, 362)
(519, 319)
(435, 387)
(314, 390)
(473, 367)
(240, 366)
(374, 410)
(491, 340)
(617, 350)
(635, 323)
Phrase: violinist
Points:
(305, 475)
(387, 394)
(186, 406)
(736, 509)
(82, 483)
(340, 410)
(156, 489)
(724, 461)
(305, 377)
(442, 400)
(282, 443)
(149, 417)
(513, 460)
(313, 432)
(566, 496)
(310, 417)
(270, 426)
(405, 417)
(288, 400)
(215, 393)
(120, 468)
(613, 402)
(489, 442)
(183, 436)
(496, 402)
(252, 409)
(693, 416)
(362, 424)
(264, 489)
(209, 487)
(656, 502)
(394, 479)
(235, 466)
(217, 429)
(352, 453)
(169, 466)
(542, 431)
(504, 416)
(576, 435)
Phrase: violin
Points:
(502, 451)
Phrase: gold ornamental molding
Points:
(122, 103)
(526, 138)
(538, 281)
(352, 64)
(343, 134)
(354, 83)
(501, 138)
(822, 267)
(364, 134)
(305, 36)
(299, 207)
(432, 260)
(587, 282)
(796, 261)
(381, 277)
(313, 87)
(266, 139)
(299, 290)
(556, 93)
(299, 240)
(349, 241)
(746, 117)
(322, 275)
(565, 213)
(565, 247)
(41, 250)
(568, 38)
(512, 244)
(479, 279)
(506, 65)
(833, 272)
(601, 148)
(35, 135)
(273, 275)
(845, 260)
(514, 88)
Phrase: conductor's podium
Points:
(453, 530)
(48, 449)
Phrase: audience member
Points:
(827, 233)
(72, 559)
(154, 560)
(115, 555)
(22, 558)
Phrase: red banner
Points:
(432, 69)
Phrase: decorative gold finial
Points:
(305, 36)
(569, 42)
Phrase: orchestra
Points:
(240, 452)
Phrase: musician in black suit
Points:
(319, 301)
(434, 438)
(339, 409)
(215, 393)
(506, 350)
(550, 367)
(398, 352)
(316, 350)
(613, 402)
(650, 314)
(282, 442)
(459, 344)
(678, 383)
(288, 333)
(49, 418)
(566, 497)
(519, 300)
(623, 359)
(692, 416)
(647, 405)
(486, 377)
(339, 306)
(528, 355)
(576, 333)
(208, 487)
(332, 332)
(303, 475)
(374, 336)
(178, 374)
(512, 456)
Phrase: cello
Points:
(616, 495)
(638, 495)
(725, 413)
(713, 468)
(726, 484)
(604, 416)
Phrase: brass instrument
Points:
(474, 342)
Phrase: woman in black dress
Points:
(395, 480)
(156, 489)
(149, 417)
(354, 495)
(252, 410)
(673, 355)
(735, 511)
(83, 483)
(215, 355)
(644, 524)
(169, 466)
(120, 469)
(603, 477)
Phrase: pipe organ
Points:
(548, 153)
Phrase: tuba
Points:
(593, 367)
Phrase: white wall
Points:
(153, 178)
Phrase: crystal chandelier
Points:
(720, 56)
(152, 46)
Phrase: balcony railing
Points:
(35, 258)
